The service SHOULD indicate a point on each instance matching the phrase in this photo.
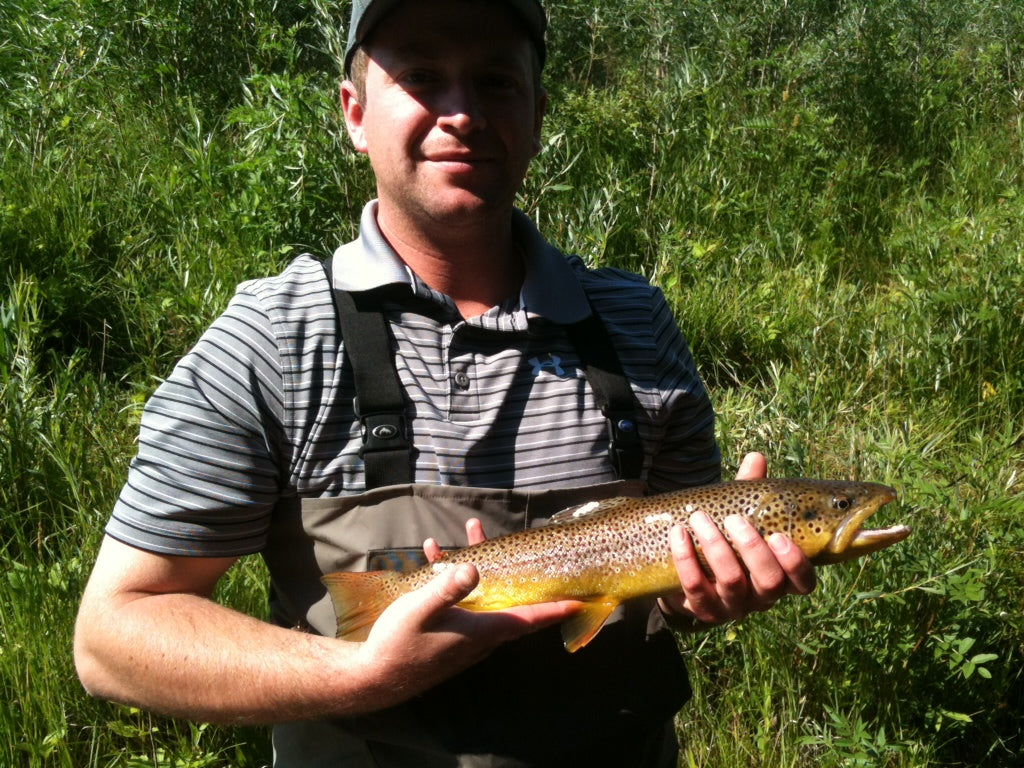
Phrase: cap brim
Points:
(371, 12)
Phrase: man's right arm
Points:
(149, 635)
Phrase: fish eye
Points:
(842, 503)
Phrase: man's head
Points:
(448, 109)
(366, 14)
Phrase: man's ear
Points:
(353, 111)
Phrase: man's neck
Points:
(476, 264)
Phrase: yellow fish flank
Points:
(605, 553)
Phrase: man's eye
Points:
(418, 77)
(501, 83)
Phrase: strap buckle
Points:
(383, 432)
(625, 449)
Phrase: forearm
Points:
(147, 635)
(187, 656)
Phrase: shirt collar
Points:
(550, 289)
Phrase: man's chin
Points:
(468, 205)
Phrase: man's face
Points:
(451, 115)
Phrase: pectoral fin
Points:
(580, 628)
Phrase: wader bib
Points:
(529, 704)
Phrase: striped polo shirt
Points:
(262, 407)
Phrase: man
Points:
(254, 444)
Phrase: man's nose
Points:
(461, 109)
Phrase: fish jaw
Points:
(850, 541)
(864, 543)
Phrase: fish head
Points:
(824, 518)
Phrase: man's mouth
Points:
(468, 158)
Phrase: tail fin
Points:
(359, 599)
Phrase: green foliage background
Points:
(830, 193)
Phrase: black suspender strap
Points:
(613, 395)
(380, 403)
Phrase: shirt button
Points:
(462, 380)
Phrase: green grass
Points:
(830, 194)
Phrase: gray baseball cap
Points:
(366, 14)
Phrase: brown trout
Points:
(606, 552)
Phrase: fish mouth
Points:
(850, 541)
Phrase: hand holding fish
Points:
(752, 578)
(422, 638)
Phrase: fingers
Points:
(433, 610)
(432, 550)
(418, 608)
(800, 573)
(493, 627)
(474, 535)
(426, 636)
(750, 574)
(691, 601)
(453, 585)
(474, 531)
(754, 466)
(712, 597)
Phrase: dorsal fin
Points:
(589, 509)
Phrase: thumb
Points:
(448, 588)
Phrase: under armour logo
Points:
(554, 362)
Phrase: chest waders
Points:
(529, 704)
